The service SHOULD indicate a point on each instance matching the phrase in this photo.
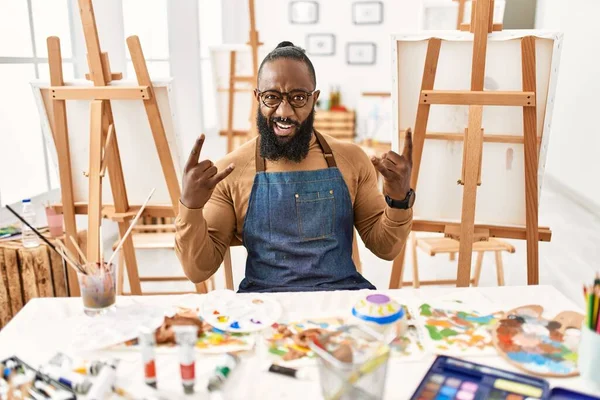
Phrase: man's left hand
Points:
(396, 169)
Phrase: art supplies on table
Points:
(185, 336)
(352, 363)
(20, 380)
(589, 347)
(222, 372)
(537, 345)
(210, 340)
(226, 311)
(451, 378)
(453, 328)
(382, 314)
(9, 231)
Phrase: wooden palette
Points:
(539, 346)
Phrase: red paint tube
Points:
(186, 337)
(147, 342)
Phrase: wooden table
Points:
(41, 329)
(28, 273)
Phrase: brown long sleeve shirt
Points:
(203, 235)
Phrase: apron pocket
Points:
(316, 214)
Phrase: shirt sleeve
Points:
(204, 234)
(383, 229)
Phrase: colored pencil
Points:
(595, 309)
(590, 309)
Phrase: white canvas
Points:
(141, 166)
(501, 197)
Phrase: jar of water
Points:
(28, 236)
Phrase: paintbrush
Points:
(78, 249)
(130, 227)
(70, 261)
(38, 234)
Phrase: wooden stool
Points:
(437, 245)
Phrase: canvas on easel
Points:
(481, 119)
(109, 135)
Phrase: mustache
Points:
(285, 121)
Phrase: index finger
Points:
(408, 146)
(195, 154)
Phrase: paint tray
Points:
(450, 378)
(352, 363)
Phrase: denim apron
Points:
(299, 229)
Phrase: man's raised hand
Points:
(200, 178)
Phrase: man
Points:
(292, 196)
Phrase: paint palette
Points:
(227, 311)
(453, 379)
(452, 328)
(537, 345)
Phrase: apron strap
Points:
(327, 153)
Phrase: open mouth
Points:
(283, 129)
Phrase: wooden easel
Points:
(253, 42)
(466, 232)
(461, 16)
(104, 149)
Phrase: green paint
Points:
(426, 310)
(447, 332)
(276, 351)
(433, 332)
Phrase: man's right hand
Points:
(200, 178)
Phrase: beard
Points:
(275, 148)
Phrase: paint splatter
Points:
(255, 321)
(235, 325)
(223, 318)
(216, 312)
(257, 301)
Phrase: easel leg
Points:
(95, 182)
(416, 281)
(478, 265)
(397, 274)
(499, 268)
(472, 148)
(61, 140)
(130, 261)
(231, 99)
(531, 162)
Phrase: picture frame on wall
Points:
(304, 12)
(320, 44)
(367, 12)
(361, 53)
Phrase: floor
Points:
(567, 262)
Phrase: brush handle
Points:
(131, 227)
(33, 229)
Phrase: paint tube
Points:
(216, 381)
(186, 337)
(301, 373)
(76, 382)
(63, 361)
(147, 341)
(104, 383)
(52, 392)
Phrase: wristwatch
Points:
(405, 204)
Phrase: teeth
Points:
(283, 126)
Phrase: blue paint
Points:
(449, 391)
(235, 325)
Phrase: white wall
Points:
(335, 17)
(573, 155)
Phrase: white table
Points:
(35, 335)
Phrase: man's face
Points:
(285, 130)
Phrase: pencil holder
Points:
(589, 356)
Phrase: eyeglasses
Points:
(295, 98)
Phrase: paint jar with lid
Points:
(381, 314)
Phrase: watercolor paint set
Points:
(454, 379)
